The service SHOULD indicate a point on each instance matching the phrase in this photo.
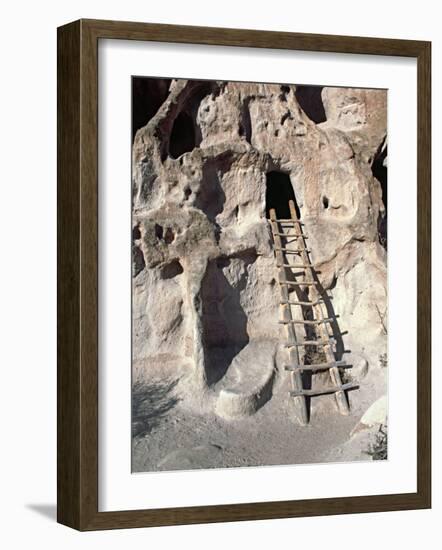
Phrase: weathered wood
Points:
(328, 342)
(307, 321)
(291, 251)
(320, 366)
(298, 283)
(300, 303)
(335, 376)
(294, 266)
(323, 391)
(295, 376)
(319, 321)
(290, 236)
(289, 220)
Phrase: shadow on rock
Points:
(150, 403)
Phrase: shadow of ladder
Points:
(296, 365)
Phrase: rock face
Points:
(204, 274)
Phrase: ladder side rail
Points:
(294, 358)
(340, 396)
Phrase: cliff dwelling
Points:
(259, 286)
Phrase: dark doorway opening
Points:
(310, 101)
(379, 170)
(182, 138)
(279, 192)
(186, 134)
(148, 94)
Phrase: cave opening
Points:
(310, 101)
(136, 233)
(171, 270)
(148, 94)
(186, 133)
(182, 137)
(279, 191)
(245, 126)
(379, 171)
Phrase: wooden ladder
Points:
(293, 262)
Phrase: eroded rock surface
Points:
(204, 274)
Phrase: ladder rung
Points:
(289, 236)
(297, 266)
(323, 391)
(288, 220)
(318, 366)
(301, 271)
(289, 250)
(296, 303)
(299, 283)
(305, 322)
(330, 342)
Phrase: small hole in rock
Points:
(136, 233)
(284, 91)
(171, 270)
(245, 126)
(325, 202)
(187, 192)
(286, 116)
(138, 263)
(169, 236)
(158, 231)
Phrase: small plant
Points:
(379, 449)
(313, 355)
(383, 360)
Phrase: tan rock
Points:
(204, 270)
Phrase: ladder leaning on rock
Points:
(293, 262)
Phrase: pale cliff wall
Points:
(203, 271)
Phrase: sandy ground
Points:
(168, 435)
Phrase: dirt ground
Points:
(168, 435)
